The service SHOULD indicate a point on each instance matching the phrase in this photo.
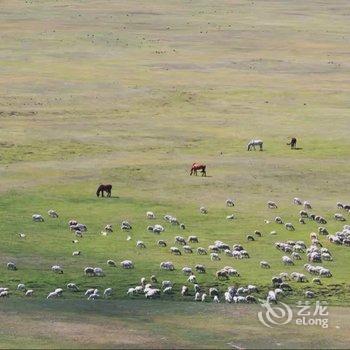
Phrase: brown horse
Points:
(198, 166)
(104, 188)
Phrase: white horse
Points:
(253, 143)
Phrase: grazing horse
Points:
(104, 188)
(253, 143)
(197, 166)
(292, 143)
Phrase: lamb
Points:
(127, 264)
(131, 291)
(93, 296)
(109, 228)
(150, 215)
(204, 296)
(76, 253)
(37, 218)
(11, 266)
(192, 239)
(203, 210)
(230, 217)
(214, 256)
(187, 249)
(52, 295)
(216, 299)
(271, 297)
(297, 201)
(167, 265)
(287, 260)
(57, 269)
(21, 287)
(161, 243)
(289, 226)
(175, 250)
(52, 214)
(111, 263)
(271, 205)
(201, 251)
(264, 264)
(230, 202)
(140, 244)
(200, 268)
(72, 287)
(89, 271)
(222, 274)
(98, 272)
(90, 291)
(197, 296)
(21, 235)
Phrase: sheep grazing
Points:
(57, 269)
(257, 233)
(167, 265)
(278, 220)
(52, 295)
(152, 294)
(192, 239)
(298, 277)
(187, 249)
(98, 272)
(204, 296)
(168, 290)
(230, 202)
(111, 263)
(340, 205)
(230, 217)
(21, 235)
(303, 214)
(52, 214)
(192, 279)
(316, 281)
(309, 294)
(175, 251)
(109, 228)
(140, 244)
(125, 225)
(150, 215)
(302, 221)
(72, 287)
(161, 243)
(339, 217)
(187, 270)
(203, 210)
(182, 226)
(271, 205)
(264, 264)
(271, 297)
(21, 287)
(11, 266)
(250, 238)
(287, 260)
(76, 253)
(37, 218)
(323, 231)
(127, 264)
(197, 288)
(180, 240)
(289, 226)
(150, 228)
(297, 201)
(158, 229)
(216, 299)
(296, 256)
(307, 205)
(197, 297)
(184, 291)
(200, 268)
(213, 291)
(222, 274)
(201, 251)
(107, 292)
(214, 257)
(29, 293)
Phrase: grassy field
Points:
(132, 93)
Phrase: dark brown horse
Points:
(104, 188)
(197, 166)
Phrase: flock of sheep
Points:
(292, 250)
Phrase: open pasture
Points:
(132, 93)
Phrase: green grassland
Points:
(132, 93)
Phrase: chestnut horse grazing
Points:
(104, 188)
(198, 166)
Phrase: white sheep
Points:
(140, 244)
(307, 205)
(297, 201)
(127, 264)
(111, 263)
(187, 249)
(289, 226)
(214, 256)
(287, 260)
(76, 253)
(230, 217)
(192, 279)
(21, 287)
(57, 269)
(203, 210)
(186, 270)
(197, 297)
(29, 293)
(131, 291)
(167, 265)
(37, 218)
(72, 287)
(192, 239)
(339, 217)
(271, 205)
(216, 299)
(108, 292)
(98, 272)
(11, 266)
(184, 291)
(230, 202)
(204, 296)
(175, 250)
(52, 295)
(201, 251)
(150, 215)
(264, 264)
(52, 214)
